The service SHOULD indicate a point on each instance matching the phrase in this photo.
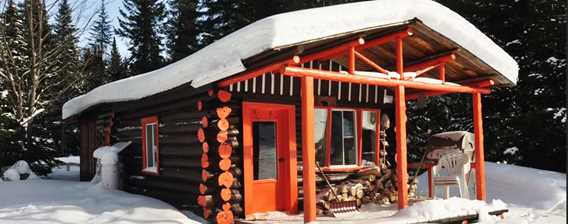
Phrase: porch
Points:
(358, 80)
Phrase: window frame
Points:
(358, 113)
(152, 120)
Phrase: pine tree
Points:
(66, 42)
(181, 29)
(116, 69)
(101, 32)
(141, 23)
(94, 68)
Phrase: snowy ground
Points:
(532, 196)
(61, 198)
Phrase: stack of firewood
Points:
(369, 185)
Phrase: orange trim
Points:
(401, 164)
(308, 149)
(431, 62)
(338, 77)
(479, 157)
(481, 84)
(370, 63)
(143, 122)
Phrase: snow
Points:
(107, 173)
(224, 57)
(69, 159)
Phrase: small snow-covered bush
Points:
(19, 171)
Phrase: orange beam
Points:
(351, 62)
(479, 156)
(370, 63)
(482, 83)
(427, 94)
(338, 77)
(308, 149)
(399, 58)
(259, 71)
(386, 38)
(328, 53)
(435, 61)
(401, 163)
(424, 70)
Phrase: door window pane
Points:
(343, 147)
(264, 150)
(337, 138)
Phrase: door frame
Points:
(289, 196)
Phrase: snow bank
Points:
(52, 201)
(441, 208)
(224, 57)
(541, 189)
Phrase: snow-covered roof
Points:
(224, 57)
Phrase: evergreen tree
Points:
(181, 29)
(141, 22)
(94, 68)
(116, 69)
(66, 41)
(101, 32)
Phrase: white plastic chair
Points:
(451, 170)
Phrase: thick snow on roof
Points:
(224, 57)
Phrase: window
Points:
(369, 135)
(150, 155)
(336, 134)
(264, 150)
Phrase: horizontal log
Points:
(189, 150)
(179, 163)
(179, 129)
(178, 140)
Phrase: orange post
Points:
(442, 72)
(351, 65)
(378, 138)
(479, 157)
(308, 149)
(401, 163)
(399, 58)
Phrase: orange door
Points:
(269, 154)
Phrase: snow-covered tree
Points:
(142, 23)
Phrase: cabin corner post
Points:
(479, 156)
(401, 163)
(308, 149)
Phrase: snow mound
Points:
(15, 172)
(440, 208)
(225, 57)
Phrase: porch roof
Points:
(437, 29)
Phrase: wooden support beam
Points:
(401, 163)
(442, 72)
(258, 72)
(308, 149)
(339, 77)
(370, 63)
(430, 61)
(399, 58)
(332, 52)
(479, 154)
(378, 138)
(351, 63)
(406, 32)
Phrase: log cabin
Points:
(237, 127)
